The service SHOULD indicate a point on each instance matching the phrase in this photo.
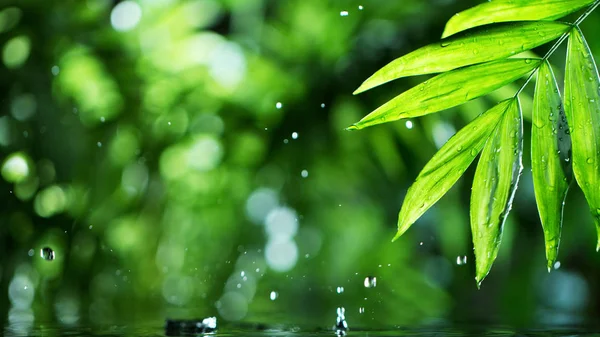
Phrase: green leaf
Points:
(447, 165)
(550, 158)
(582, 107)
(494, 186)
(448, 90)
(474, 47)
(511, 10)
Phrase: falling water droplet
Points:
(461, 260)
(361, 310)
(370, 282)
(279, 105)
(360, 7)
(409, 125)
(294, 135)
(47, 254)
(344, 13)
(273, 296)
(556, 265)
(340, 290)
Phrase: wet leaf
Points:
(448, 90)
(511, 10)
(494, 186)
(582, 107)
(447, 165)
(550, 158)
(480, 45)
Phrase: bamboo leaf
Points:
(582, 107)
(550, 158)
(494, 186)
(447, 165)
(448, 90)
(511, 10)
(481, 45)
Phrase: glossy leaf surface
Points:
(494, 186)
(474, 47)
(448, 90)
(511, 10)
(448, 165)
(582, 107)
(550, 158)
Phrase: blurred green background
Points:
(187, 158)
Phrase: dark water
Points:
(149, 331)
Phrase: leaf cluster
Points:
(480, 52)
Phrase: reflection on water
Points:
(272, 331)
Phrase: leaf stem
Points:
(562, 39)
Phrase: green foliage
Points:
(550, 158)
(511, 10)
(449, 89)
(494, 186)
(481, 45)
(473, 64)
(582, 107)
(447, 165)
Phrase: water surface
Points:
(261, 331)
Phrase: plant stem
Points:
(562, 39)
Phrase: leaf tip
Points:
(550, 264)
(361, 89)
(397, 236)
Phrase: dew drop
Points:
(445, 44)
(273, 296)
(370, 282)
(590, 160)
(47, 254)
